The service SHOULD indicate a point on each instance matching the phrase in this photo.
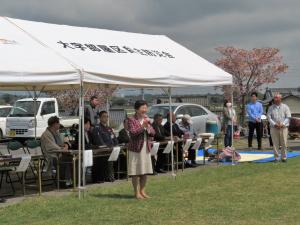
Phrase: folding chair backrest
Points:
(24, 163)
(209, 141)
(15, 148)
(34, 147)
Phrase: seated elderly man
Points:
(177, 132)
(102, 134)
(186, 125)
(50, 142)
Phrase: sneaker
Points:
(275, 161)
(283, 160)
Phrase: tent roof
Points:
(49, 54)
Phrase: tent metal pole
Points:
(35, 112)
(143, 93)
(171, 130)
(80, 136)
(83, 142)
(107, 109)
(232, 147)
(107, 102)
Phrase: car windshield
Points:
(4, 112)
(163, 110)
(24, 109)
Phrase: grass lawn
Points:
(242, 194)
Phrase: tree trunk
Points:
(243, 107)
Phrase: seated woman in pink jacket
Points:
(139, 146)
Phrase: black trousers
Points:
(258, 127)
(102, 169)
(161, 159)
(192, 154)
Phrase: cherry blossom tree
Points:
(250, 70)
(68, 100)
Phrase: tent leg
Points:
(79, 139)
(83, 143)
(35, 111)
(172, 138)
(107, 108)
(232, 147)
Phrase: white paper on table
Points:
(169, 147)
(114, 154)
(25, 160)
(88, 158)
(187, 144)
(154, 148)
(197, 144)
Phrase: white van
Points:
(20, 122)
(4, 111)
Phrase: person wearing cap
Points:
(92, 111)
(279, 116)
(51, 142)
(186, 126)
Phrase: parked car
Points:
(4, 111)
(21, 121)
(200, 115)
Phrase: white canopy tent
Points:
(35, 54)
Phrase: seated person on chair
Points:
(160, 135)
(186, 125)
(123, 137)
(102, 134)
(51, 142)
(177, 133)
(87, 136)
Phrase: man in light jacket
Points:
(279, 117)
(51, 142)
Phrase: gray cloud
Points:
(199, 25)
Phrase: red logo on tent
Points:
(5, 41)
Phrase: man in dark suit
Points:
(177, 132)
(160, 135)
(102, 134)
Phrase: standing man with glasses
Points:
(254, 111)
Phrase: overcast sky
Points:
(197, 24)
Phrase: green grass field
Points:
(242, 194)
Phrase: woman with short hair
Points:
(139, 146)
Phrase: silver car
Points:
(200, 115)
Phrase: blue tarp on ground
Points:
(269, 159)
